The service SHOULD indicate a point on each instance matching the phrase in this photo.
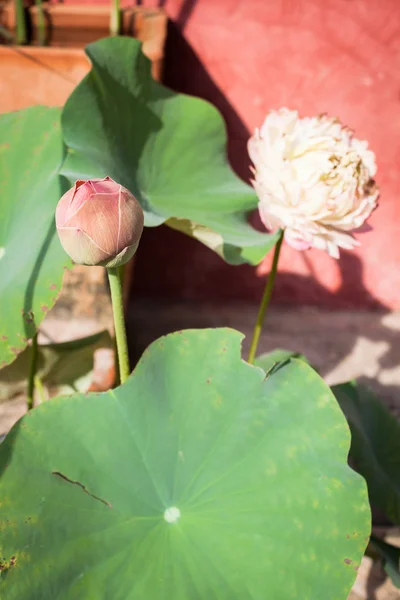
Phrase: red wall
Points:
(248, 56)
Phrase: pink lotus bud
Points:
(99, 222)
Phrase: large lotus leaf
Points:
(375, 445)
(198, 478)
(67, 366)
(169, 149)
(31, 257)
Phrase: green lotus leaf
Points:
(168, 149)
(31, 257)
(375, 445)
(198, 478)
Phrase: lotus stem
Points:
(265, 302)
(32, 372)
(41, 396)
(115, 21)
(114, 276)
(20, 23)
(41, 26)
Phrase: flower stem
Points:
(114, 276)
(264, 302)
(32, 372)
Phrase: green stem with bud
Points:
(265, 302)
(32, 372)
(114, 277)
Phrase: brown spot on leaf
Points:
(4, 338)
(53, 286)
(14, 350)
(7, 564)
(44, 308)
(208, 380)
(347, 561)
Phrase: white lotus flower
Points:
(313, 179)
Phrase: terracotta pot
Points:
(47, 75)
(32, 75)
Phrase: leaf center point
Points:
(172, 514)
